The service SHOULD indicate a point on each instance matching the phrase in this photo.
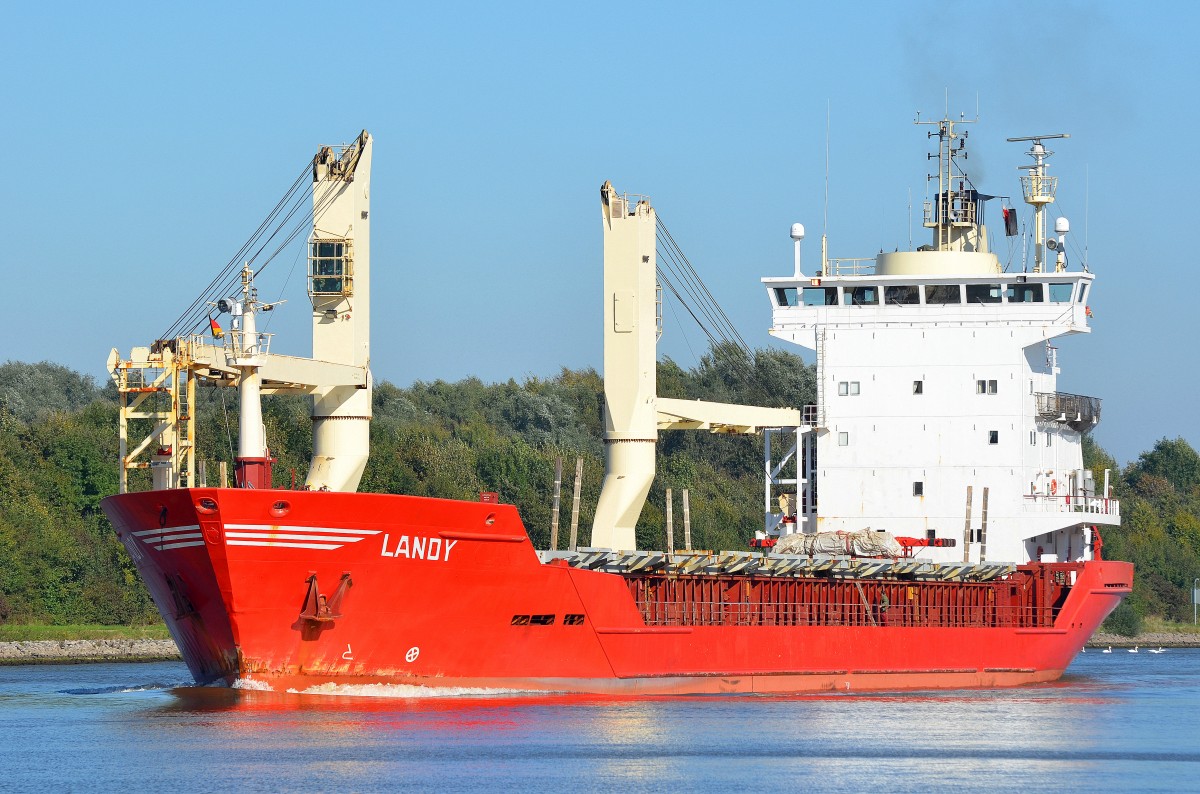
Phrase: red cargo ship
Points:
(302, 588)
(320, 585)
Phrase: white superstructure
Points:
(938, 413)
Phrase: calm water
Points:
(1116, 722)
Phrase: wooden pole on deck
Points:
(967, 528)
(687, 522)
(575, 505)
(554, 509)
(983, 527)
(670, 525)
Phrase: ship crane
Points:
(633, 411)
(158, 382)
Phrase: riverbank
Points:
(82, 651)
(1147, 639)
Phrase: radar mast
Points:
(1038, 189)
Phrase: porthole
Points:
(206, 505)
(280, 508)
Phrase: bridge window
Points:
(785, 296)
(902, 294)
(1061, 293)
(861, 296)
(943, 293)
(848, 388)
(983, 293)
(820, 296)
(1024, 293)
(986, 387)
(329, 267)
(1083, 289)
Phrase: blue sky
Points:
(147, 141)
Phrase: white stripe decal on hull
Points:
(185, 528)
(288, 528)
(267, 543)
(181, 536)
(171, 537)
(291, 536)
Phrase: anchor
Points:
(321, 609)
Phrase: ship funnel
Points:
(630, 334)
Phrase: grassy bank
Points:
(1153, 625)
(39, 631)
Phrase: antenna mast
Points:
(948, 214)
(1038, 189)
(825, 230)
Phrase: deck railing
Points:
(852, 613)
(1088, 505)
(862, 266)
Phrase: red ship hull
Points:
(298, 589)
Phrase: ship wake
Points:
(406, 691)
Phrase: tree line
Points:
(60, 561)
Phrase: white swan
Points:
(1160, 650)
(1134, 649)
(1107, 650)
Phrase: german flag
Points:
(216, 329)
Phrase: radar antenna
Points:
(1038, 189)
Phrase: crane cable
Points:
(227, 279)
(234, 264)
(293, 201)
(675, 272)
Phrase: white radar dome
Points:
(797, 231)
(1062, 226)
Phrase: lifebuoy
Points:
(1054, 487)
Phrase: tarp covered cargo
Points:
(864, 543)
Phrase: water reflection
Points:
(1098, 727)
